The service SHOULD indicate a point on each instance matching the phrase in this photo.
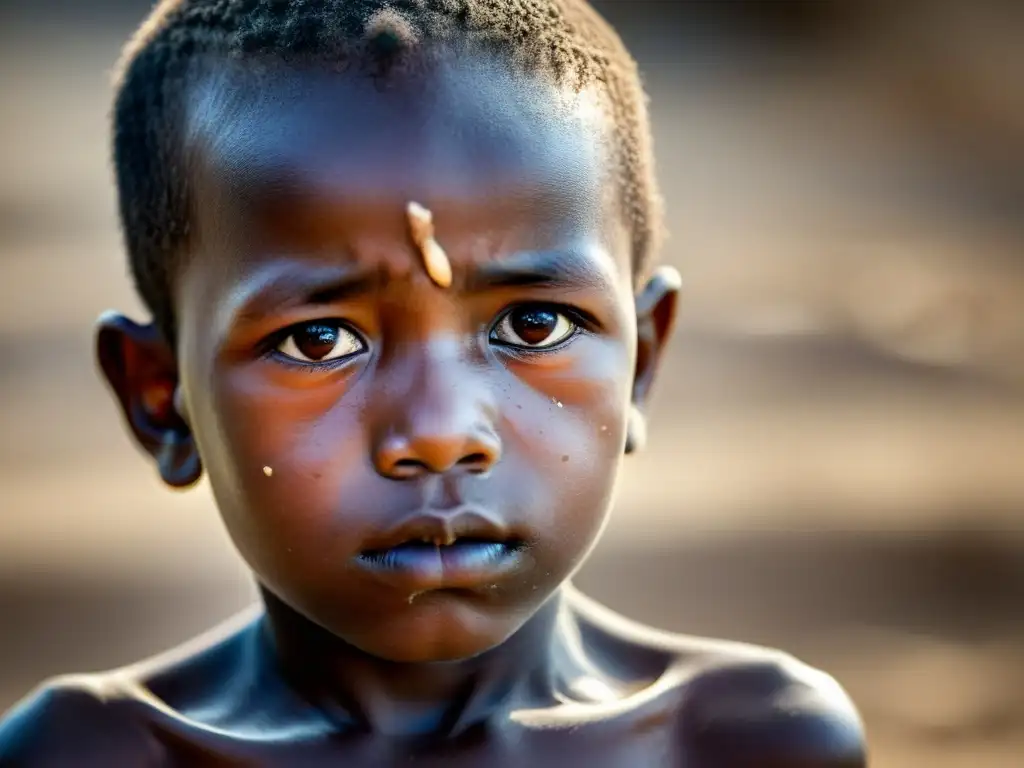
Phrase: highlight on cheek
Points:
(435, 260)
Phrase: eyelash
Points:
(584, 322)
(270, 352)
(316, 366)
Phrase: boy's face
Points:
(346, 407)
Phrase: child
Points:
(398, 258)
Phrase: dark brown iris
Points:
(534, 325)
(316, 340)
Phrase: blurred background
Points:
(837, 455)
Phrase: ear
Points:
(140, 367)
(655, 318)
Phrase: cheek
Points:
(274, 453)
(578, 402)
(568, 423)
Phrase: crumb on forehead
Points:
(565, 39)
(435, 260)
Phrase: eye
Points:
(319, 342)
(533, 326)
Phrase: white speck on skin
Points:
(268, 471)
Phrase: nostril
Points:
(475, 462)
(408, 468)
(400, 458)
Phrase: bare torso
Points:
(628, 697)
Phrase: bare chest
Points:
(615, 743)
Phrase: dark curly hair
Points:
(565, 39)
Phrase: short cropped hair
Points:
(565, 39)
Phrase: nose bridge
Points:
(443, 393)
(442, 417)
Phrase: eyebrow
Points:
(280, 286)
(567, 270)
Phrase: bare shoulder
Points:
(82, 720)
(737, 705)
(743, 705)
(122, 717)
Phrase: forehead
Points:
(470, 135)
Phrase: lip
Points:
(441, 549)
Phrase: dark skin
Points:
(412, 472)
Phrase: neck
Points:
(359, 690)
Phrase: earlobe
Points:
(141, 370)
(655, 318)
(178, 460)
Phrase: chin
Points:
(437, 629)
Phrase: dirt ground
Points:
(836, 459)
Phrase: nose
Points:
(443, 423)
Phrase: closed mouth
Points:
(464, 551)
(464, 548)
(470, 562)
